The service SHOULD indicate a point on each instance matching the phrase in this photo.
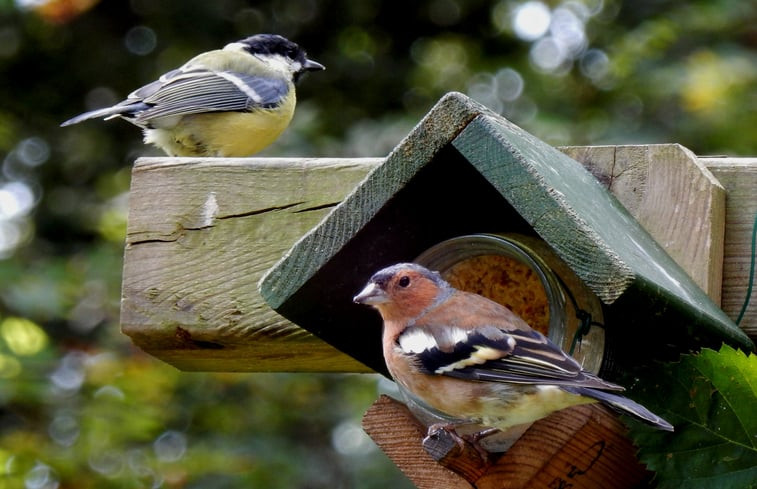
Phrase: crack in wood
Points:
(168, 239)
(317, 207)
(182, 228)
(261, 211)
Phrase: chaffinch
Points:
(476, 361)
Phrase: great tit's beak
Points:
(311, 65)
(372, 294)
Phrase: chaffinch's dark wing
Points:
(489, 353)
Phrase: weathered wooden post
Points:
(202, 233)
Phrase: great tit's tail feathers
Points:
(623, 405)
(108, 112)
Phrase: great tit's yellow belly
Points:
(227, 134)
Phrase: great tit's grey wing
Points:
(183, 92)
(197, 91)
(491, 354)
(121, 109)
(142, 93)
(133, 104)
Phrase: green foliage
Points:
(710, 398)
(101, 419)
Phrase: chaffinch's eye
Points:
(404, 281)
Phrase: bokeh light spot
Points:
(70, 375)
(23, 336)
(33, 151)
(595, 64)
(531, 20)
(509, 84)
(9, 367)
(100, 97)
(16, 200)
(170, 446)
(349, 439)
(64, 429)
(41, 476)
(444, 12)
(107, 462)
(567, 28)
(547, 54)
(141, 40)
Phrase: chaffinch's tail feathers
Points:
(622, 405)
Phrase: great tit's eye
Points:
(404, 281)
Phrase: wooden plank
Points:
(581, 447)
(399, 435)
(190, 295)
(673, 196)
(739, 177)
(200, 234)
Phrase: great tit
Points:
(228, 102)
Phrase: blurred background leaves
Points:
(79, 406)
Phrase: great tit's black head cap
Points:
(274, 44)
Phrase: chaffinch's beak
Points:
(372, 294)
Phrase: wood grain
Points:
(581, 447)
(200, 234)
(673, 196)
(739, 177)
(394, 429)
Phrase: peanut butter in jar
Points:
(505, 280)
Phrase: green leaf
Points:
(711, 398)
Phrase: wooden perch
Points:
(652, 182)
(581, 447)
(739, 178)
(201, 232)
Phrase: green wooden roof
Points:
(464, 169)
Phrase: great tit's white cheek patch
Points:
(416, 341)
(282, 63)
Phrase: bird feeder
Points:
(202, 231)
(465, 171)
